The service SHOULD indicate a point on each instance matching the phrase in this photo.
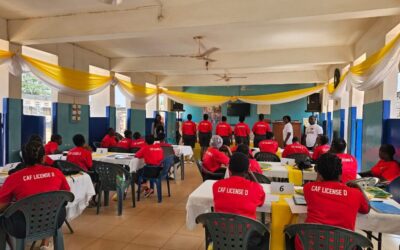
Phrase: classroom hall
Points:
(164, 121)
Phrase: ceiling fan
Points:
(201, 55)
(112, 2)
(225, 77)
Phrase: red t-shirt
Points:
(223, 129)
(189, 128)
(152, 154)
(213, 159)
(320, 150)
(387, 170)
(50, 147)
(30, 181)
(125, 143)
(270, 146)
(205, 127)
(349, 167)
(237, 195)
(255, 166)
(81, 157)
(242, 129)
(109, 141)
(48, 161)
(295, 148)
(138, 143)
(261, 128)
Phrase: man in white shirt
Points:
(287, 131)
(312, 133)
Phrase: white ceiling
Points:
(286, 41)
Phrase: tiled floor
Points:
(150, 225)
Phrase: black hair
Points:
(205, 117)
(243, 148)
(261, 117)
(79, 140)
(128, 133)
(189, 117)
(55, 137)
(109, 130)
(239, 140)
(295, 139)
(136, 135)
(388, 149)
(161, 136)
(35, 137)
(33, 153)
(239, 163)
(323, 139)
(329, 166)
(223, 118)
(269, 135)
(241, 118)
(338, 146)
(288, 118)
(149, 139)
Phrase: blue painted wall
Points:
(336, 124)
(295, 109)
(136, 120)
(392, 135)
(63, 125)
(111, 113)
(351, 131)
(171, 118)
(12, 109)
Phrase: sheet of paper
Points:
(294, 208)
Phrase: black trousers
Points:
(245, 139)
(257, 139)
(204, 139)
(189, 140)
(226, 140)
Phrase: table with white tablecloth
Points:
(279, 170)
(184, 150)
(126, 159)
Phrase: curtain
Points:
(135, 92)
(199, 100)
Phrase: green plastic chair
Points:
(266, 156)
(365, 182)
(233, 232)
(262, 178)
(42, 214)
(318, 236)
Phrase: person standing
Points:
(287, 131)
(205, 133)
(224, 130)
(158, 126)
(260, 130)
(313, 131)
(242, 131)
(189, 132)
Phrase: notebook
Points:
(383, 207)
(299, 200)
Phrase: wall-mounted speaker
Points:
(314, 103)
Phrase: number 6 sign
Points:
(282, 188)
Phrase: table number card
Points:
(101, 150)
(282, 188)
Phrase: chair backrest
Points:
(97, 144)
(67, 168)
(365, 182)
(231, 231)
(41, 212)
(317, 236)
(199, 165)
(168, 151)
(134, 150)
(299, 157)
(261, 178)
(118, 150)
(394, 189)
(108, 173)
(266, 156)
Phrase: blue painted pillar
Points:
(137, 120)
(12, 110)
(111, 113)
(352, 129)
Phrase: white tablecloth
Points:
(278, 170)
(131, 161)
(182, 149)
(81, 186)
(201, 200)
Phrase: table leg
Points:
(3, 239)
(182, 167)
(133, 176)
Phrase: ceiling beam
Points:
(270, 59)
(143, 21)
(252, 79)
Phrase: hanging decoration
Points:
(199, 100)
(135, 92)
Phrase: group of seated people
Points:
(129, 141)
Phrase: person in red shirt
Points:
(47, 160)
(153, 156)
(237, 195)
(138, 141)
(109, 139)
(329, 201)
(81, 155)
(205, 133)
(349, 163)
(254, 165)
(52, 146)
(295, 148)
(322, 148)
(189, 132)
(126, 142)
(260, 130)
(387, 169)
(33, 179)
(242, 130)
(224, 130)
(268, 145)
(213, 158)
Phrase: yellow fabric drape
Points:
(72, 79)
(5, 54)
(137, 90)
(295, 176)
(196, 99)
(281, 215)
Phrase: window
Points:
(151, 106)
(121, 104)
(397, 111)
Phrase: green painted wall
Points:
(13, 111)
(111, 113)
(171, 117)
(336, 124)
(137, 120)
(66, 127)
(372, 134)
